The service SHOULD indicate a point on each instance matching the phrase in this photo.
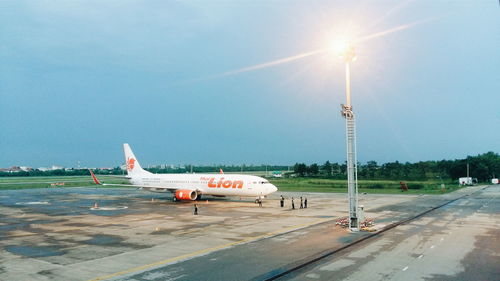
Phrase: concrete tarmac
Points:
(460, 241)
(54, 234)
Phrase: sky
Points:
(253, 82)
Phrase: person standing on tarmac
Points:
(301, 203)
(282, 201)
(293, 204)
(305, 202)
(195, 209)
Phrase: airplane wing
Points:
(147, 187)
(117, 176)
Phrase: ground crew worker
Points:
(260, 202)
(305, 202)
(293, 204)
(282, 201)
(301, 203)
(196, 209)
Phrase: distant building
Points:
(54, 167)
(277, 174)
(26, 169)
(15, 169)
(6, 170)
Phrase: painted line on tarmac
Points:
(209, 250)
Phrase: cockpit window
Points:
(263, 182)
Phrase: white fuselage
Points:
(207, 184)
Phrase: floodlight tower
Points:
(349, 56)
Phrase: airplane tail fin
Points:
(133, 166)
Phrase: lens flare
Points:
(340, 47)
(392, 30)
(272, 63)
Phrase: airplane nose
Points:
(274, 188)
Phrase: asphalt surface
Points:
(424, 249)
(460, 241)
(54, 234)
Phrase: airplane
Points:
(193, 186)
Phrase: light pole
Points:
(349, 56)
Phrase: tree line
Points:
(483, 167)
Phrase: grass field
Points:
(45, 182)
(369, 186)
(288, 184)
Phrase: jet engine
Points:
(186, 195)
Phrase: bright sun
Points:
(339, 46)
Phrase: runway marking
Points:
(208, 250)
(432, 247)
(108, 208)
(406, 267)
(33, 203)
(442, 238)
(419, 257)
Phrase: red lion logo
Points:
(130, 164)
